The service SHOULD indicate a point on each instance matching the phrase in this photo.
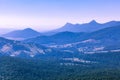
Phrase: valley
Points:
(59, 40)
(64, 55)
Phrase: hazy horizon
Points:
(45, 15)
(7, 29)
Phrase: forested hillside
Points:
(104, 67)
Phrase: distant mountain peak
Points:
(93, 22)
(68, 24)
(28, 29)
(22, 34)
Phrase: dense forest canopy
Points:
(106, 67)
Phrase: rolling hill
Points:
(83, 41)
(22, 34)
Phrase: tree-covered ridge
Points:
(107, 67)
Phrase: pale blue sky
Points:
(51, 14)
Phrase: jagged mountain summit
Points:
(85, 27)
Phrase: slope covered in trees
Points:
(107, 67)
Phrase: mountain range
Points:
(105, 38)
(100, 39)
(70, 37)
(68, 27)
(85, 27)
